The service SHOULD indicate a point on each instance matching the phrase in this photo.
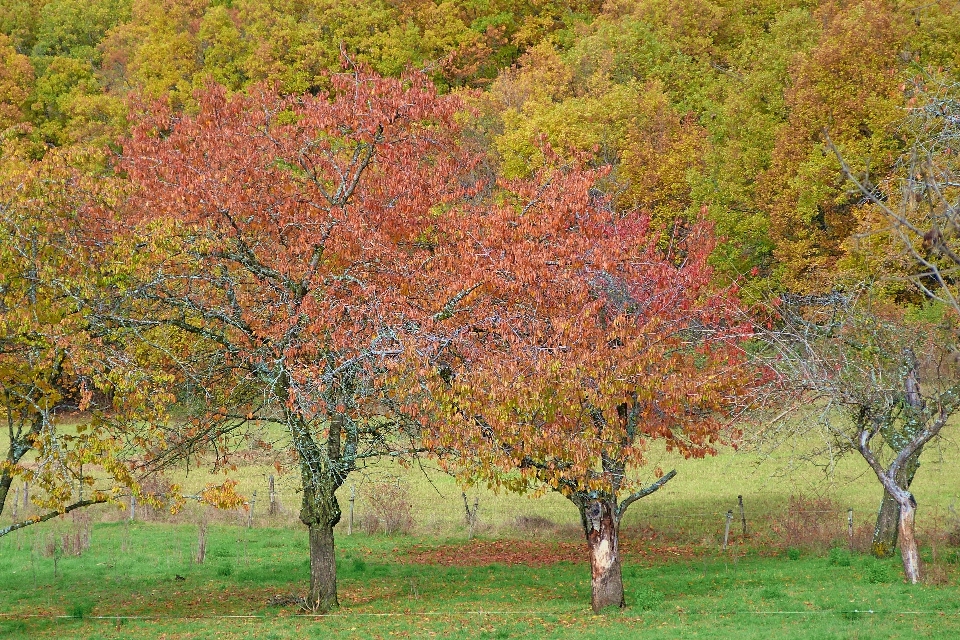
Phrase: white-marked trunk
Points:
(602, 531)
(908, 541)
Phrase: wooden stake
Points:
(353, 497)
(726, 531)
(743, 517)
(273, 497)
(850, 525)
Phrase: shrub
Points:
(812, 523)
(876, 572)
(387, 509)
(840, 557)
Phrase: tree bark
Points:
(601, 527)
(323, 569)
(17, 449)
(888, 517)
(908, 541)
(5, 481)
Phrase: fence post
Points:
(850, 525)
(253, 504)
(26, 496)
(743, 516)
(726, 530)
(273, 497)
(133, 506)
(16, 503)
(353, 497)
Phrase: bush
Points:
(812, 523)
(876, 572)
(840, 557)
(387, 509)
(80, 610)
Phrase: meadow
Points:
(796, 573)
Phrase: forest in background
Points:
(693, 105)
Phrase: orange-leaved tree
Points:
(590, 337)
(291, 234)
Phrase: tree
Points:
(58, 364)
(291, 237)
(883, 384)
(584, 343)
(914, 211)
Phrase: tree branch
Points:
(53, 514)
(633, 497)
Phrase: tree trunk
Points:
(908, 541)
(888, 517)
(320, 512)
(602, 530)
(18, 447)
(323, 569)
(5, 481)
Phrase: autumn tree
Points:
(586, 343)
(883, 384)
(290, 235)
(910, 222)
(75, 403)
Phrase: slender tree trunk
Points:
(5, 481)
(888, 517)
(601, 527)
(908, 541)
(18, 447)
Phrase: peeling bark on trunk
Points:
(888, 517)
(908, 541)
(602, 531)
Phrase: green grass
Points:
(131, 570)
(798, 591)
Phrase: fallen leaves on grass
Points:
(533, 553)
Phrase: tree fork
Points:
(888, 516)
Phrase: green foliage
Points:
(840, 557)
(80, 609)
(74, 28)
(876, 571)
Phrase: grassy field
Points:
(525, 575)
(144, 571)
